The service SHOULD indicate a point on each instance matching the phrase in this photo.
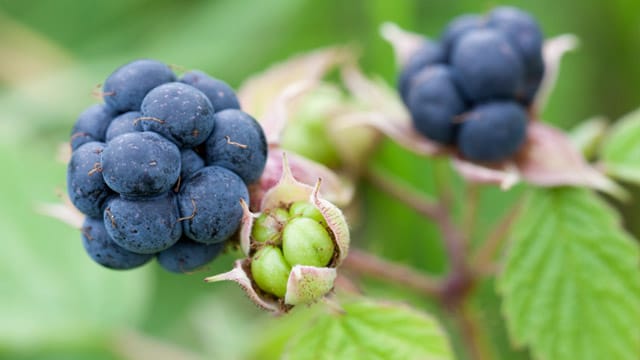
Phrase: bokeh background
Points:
(56, 304)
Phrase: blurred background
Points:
(56, 304)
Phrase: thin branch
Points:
(362, 262)
(442, 180)
(418, 201)
(471, 332)
(470, 210)
(454, 240)
(483, 259)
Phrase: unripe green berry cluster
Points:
(285, 237)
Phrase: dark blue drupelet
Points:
(125, 88)
(103, 250)
(210, 204)
(144, 226)
(179, 112)
(85, 184)
(238, 144)
(493, 132)
(140, 164)
(220, 94)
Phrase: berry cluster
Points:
(159, 169)
(285, 237)
(471, 88)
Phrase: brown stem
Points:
(453, 291)
(420, 202)
(470, 212)
(359, 261)
(459, 280)
(470, 332)
(482, 260)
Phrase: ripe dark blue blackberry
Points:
(429, 53)
(521, 29)
(489, 66)
(238, 144)
(191, 162)
(220, 94)
(122, 124)
(209, 204)
(492, 132)
(140, 164)
(103, 250)
(91, 125)
(458, 27)
(125, 88)
(434, 103)
(179, 112)
(85, 185)
(187, 255)
(525, 35)
(143, 226)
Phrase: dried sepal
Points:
(552, 52)
(337, 189)
(276, 117)
(335, 221)
(548, 158)
(308, 284)
(404, 43)
(65, 211)
(399, 129)
(258, 94)
(246, 225)
(287, 190)
(551, 159)
(506, 176)
(239, 275)
(372, 94)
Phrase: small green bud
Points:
(307, 210)
(270, 271)
(307, 242)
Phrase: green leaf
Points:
(620, 152)
(571, 281)
(51, 291)
(371, 330)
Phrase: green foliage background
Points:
(56, 304)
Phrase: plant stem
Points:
(470, 210)
(459, 279)
(452, 291)
(482, 260)
(418, 201)
(470, 332)
(362, 262)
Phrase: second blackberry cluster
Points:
(471, 89)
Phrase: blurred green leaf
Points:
(51, 290)
(620, 151)
(571, 282)
(371, 330)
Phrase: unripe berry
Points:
(271, 271)
(307, 242)
(307, 210)
(268, 226)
